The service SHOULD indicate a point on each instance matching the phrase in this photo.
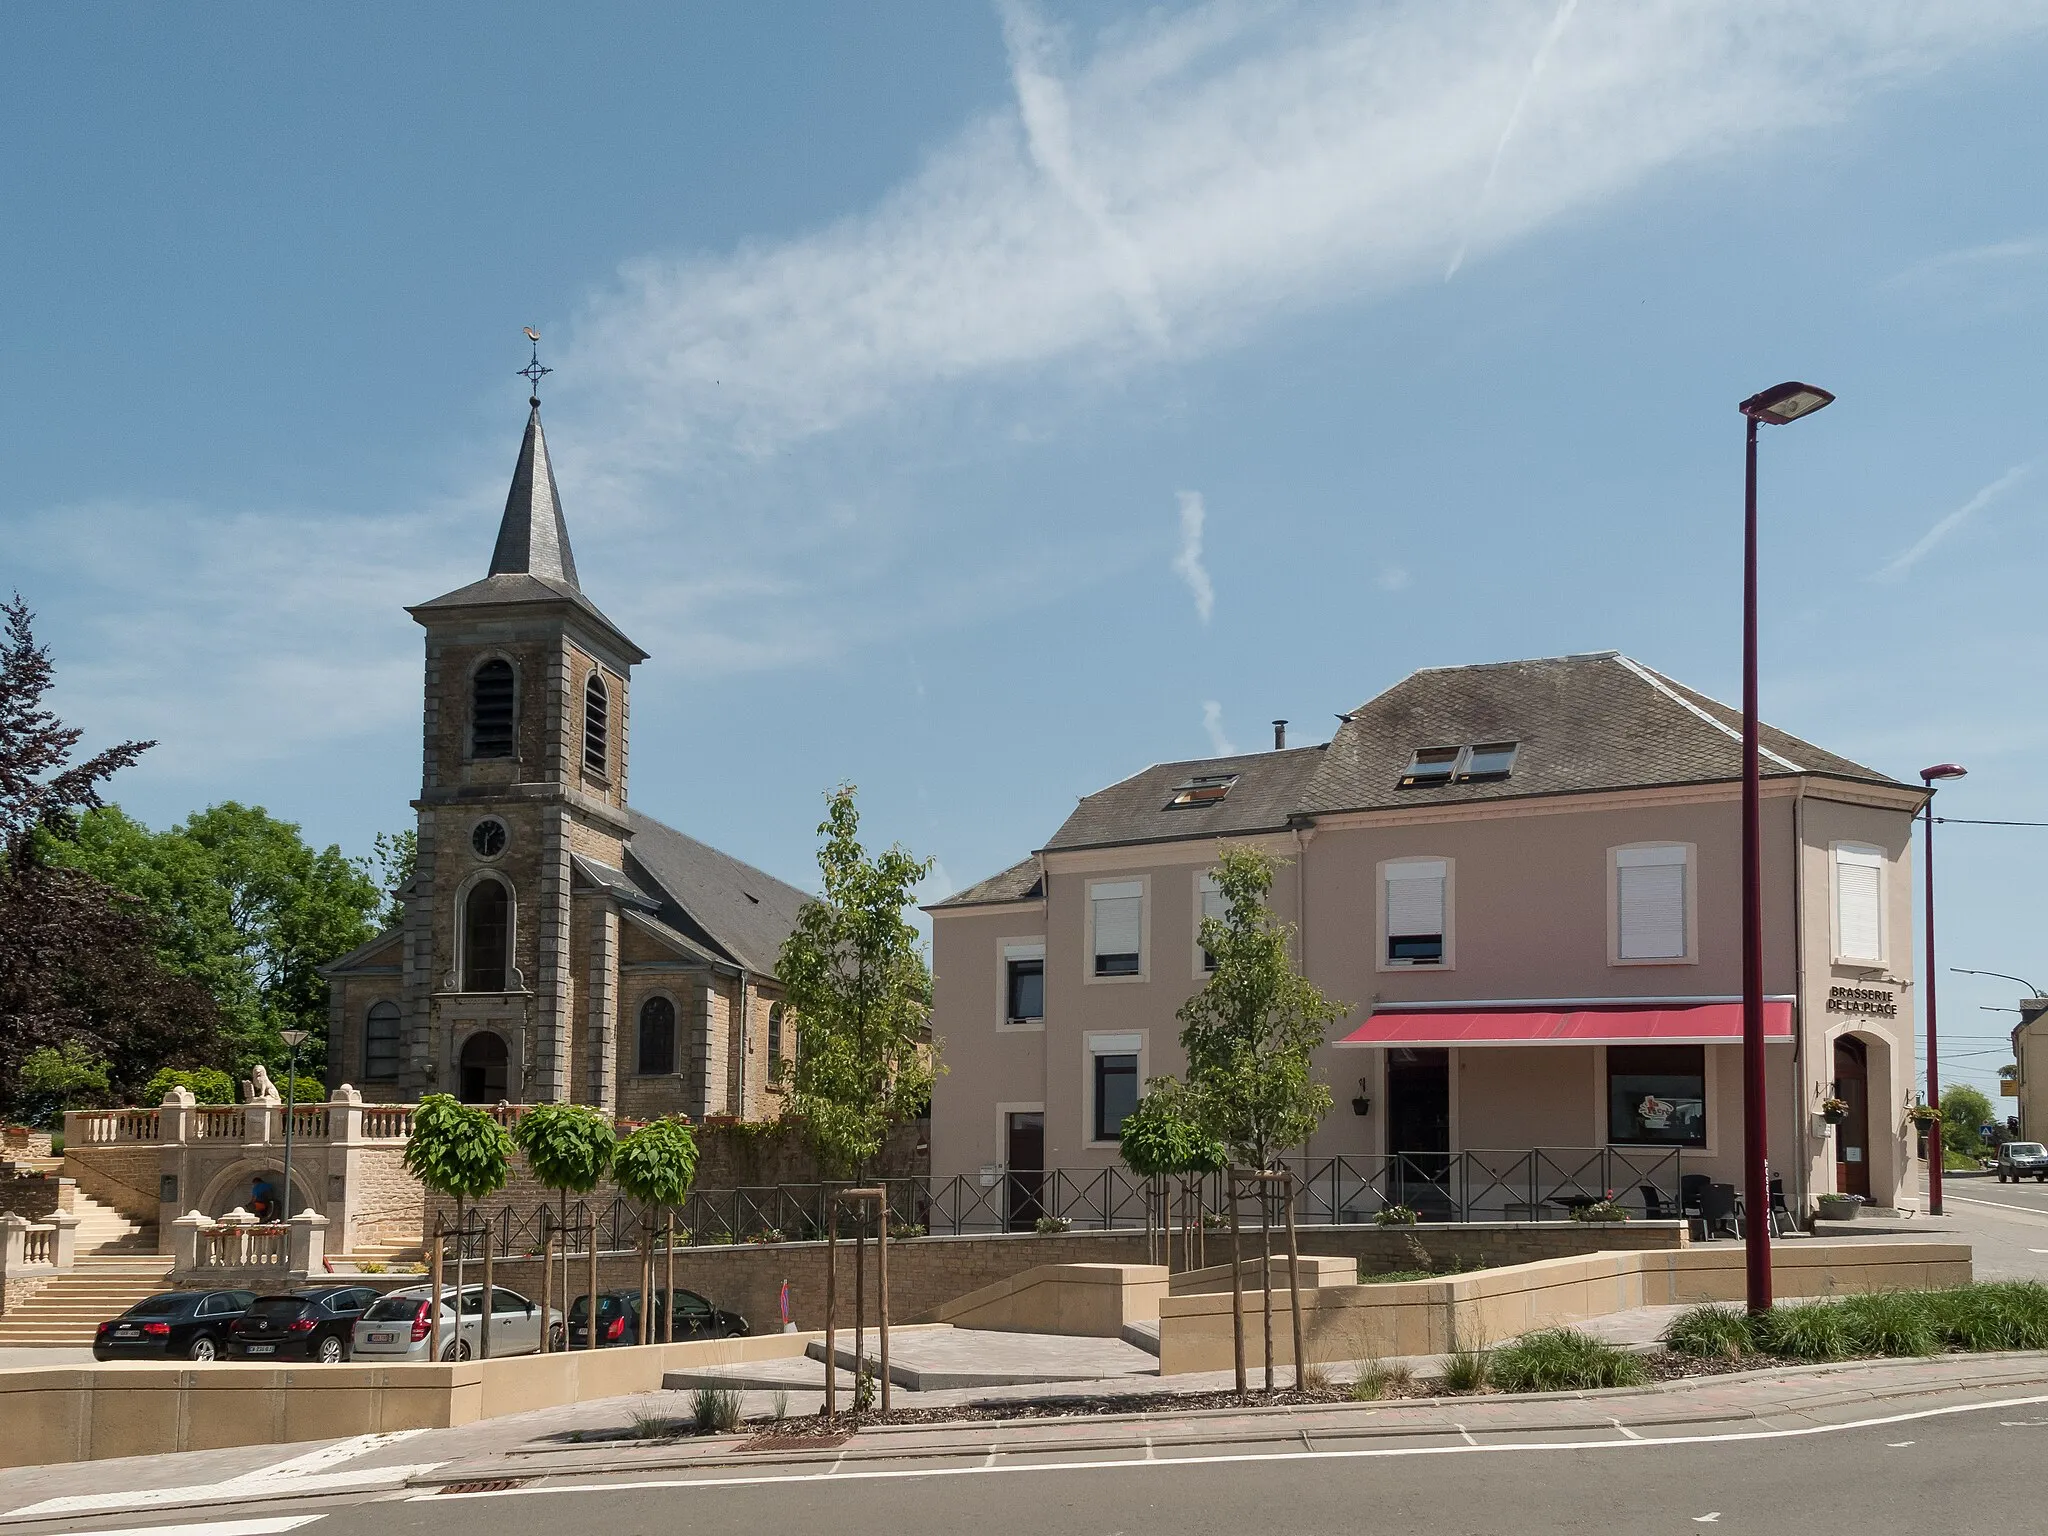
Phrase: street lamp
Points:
(1928, 778)
(293, 1038)
(2032, 990)
(1775, 406)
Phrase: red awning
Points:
(1670, 1024)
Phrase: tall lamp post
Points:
(293, 1038)
(1928, 777)
(1773, 407)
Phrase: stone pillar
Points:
(13, 1244)
(308, 1243)
(177, 1128)
(185, 1234)
(344, 1136)
(552, 1083)
(604, 994)
(64, 1241)
(707, 1047)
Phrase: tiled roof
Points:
(1020, 882)
(1581, 724)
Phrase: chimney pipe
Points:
(1279, 735)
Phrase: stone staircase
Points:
(116, 1266)
(392, 1253)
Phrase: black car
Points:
(317, 1323)
(172, 1325)
(618, 1319)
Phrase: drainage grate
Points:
(486, 1485)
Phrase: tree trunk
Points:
(1266, 1270)
(1236, 1286)
(461, 1253)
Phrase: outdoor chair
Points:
(1656, 1205)
(1720, 1207)
(1690, 1187)
(1782, 1223)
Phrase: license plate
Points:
(383, 1338)
(260, 1349)
(129, 1333)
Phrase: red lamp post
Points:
(1928, 776)
(1775, 406)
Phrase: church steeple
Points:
(533, 539)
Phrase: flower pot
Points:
(1835, 1116)
(1833, 1208)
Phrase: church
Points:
(557, 945)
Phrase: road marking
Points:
(328, 1456)
(2002, 1205)
(1898, 1445)
(1471, 1448)
(1624, 1428)
(1707, 1519)
(2020, 1423)
(361, 1480)
(273, 1526)
(1149, 1455)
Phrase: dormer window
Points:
(1486, 763)
(1202, 789)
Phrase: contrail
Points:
(1949, 524)
(1557, 26)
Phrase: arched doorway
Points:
(1852, 1136)
(484, 1068)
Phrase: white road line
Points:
(1898, 1445)
(233, 1490)
(1624, 1428)
(270, 1527)
(1492, 1447)
(328, 1456)
(2003, 1205)
(1461, 1429)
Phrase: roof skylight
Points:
(1482, 764)
(1202, 789)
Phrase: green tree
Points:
(461, 1151)
(1249, 1034)
(207, 1085)
(1964, 1114)
(394, 859)
(654, 1167)
(78, 958)
(855, 978)
(57, 1078)
(569, 1147)
(245, 907)
(1162, 1140)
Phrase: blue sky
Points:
(981, 403)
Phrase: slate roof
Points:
(1020, 882)
(1582, 723)
(1269, 788)
(732, 908)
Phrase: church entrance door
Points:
(485, 1078)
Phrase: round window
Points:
(487, 837)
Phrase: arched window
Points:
(490, 709)
(657, 1036)
(380, 1043)
(486, 1078)
(774, 1042)
(487, 937)
(597, 720)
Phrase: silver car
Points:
(398, 1326)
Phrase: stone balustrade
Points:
(344, 1118)
(237, 1246)
(33, 1252)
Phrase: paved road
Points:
(1931, 1474)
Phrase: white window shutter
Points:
(1859, 904)
(1213, 903)
(1650, 889)
(1118, 919)
(1415, 898)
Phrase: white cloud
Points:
(1558, 22)
(1393, 578)
(1950, 265)
(1196, 172)
(1944, 526)
(1187, 564)
(1212, 722)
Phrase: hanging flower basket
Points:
(1923, 1114)
(1834, 1111)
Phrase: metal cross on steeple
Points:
(535, 370)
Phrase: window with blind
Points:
(1650, 903)
(1117, 920)
(1024, 983)
(1859, 903)
(1415, 911)
(380, 1043)
(1209, 903)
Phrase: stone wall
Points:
(35, 1195)
(927, 1272)
(386, 1203)
(123, 1175)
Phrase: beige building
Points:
(2030, 1055)
(558, 944)
(1523, 878)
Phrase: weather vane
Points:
(535, 370)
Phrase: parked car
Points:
(399, 1326)
(172, 1325)
(618, 1319)
(2022, 1159)
(317, 1323)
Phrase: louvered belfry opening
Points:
(597, 714)
(486, 938)
(490, 714)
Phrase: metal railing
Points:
(1492, 1185)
